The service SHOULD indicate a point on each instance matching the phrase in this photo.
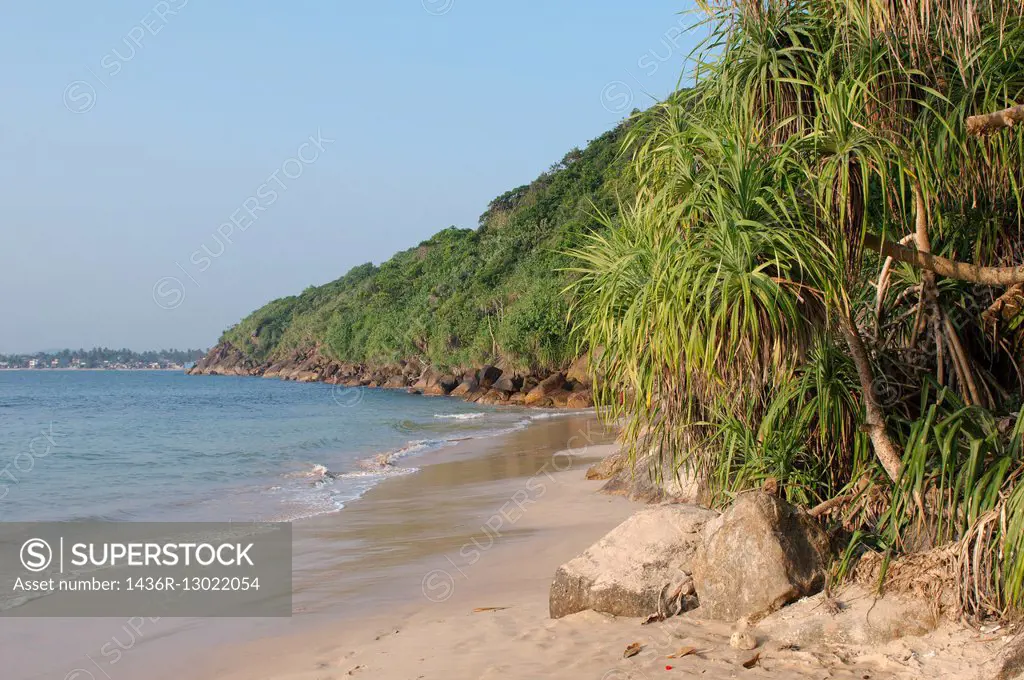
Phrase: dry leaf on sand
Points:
(632, 650)
(685, 651)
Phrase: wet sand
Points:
(444, 575)
(373, 556)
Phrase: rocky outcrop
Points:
(638, 569)
(543, 394)
(608, 467)
(442, 386)
(223, 360)
(758, 556)
(486, 385)
(653, 479)
(508, 383)
(487, 376)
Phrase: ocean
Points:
(382, 488)
(163, 446)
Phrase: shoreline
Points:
(445, 574)
(548, 515)
(569, 388)
(110, 370)
(476, 608)
(349, 564)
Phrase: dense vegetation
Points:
(817, 280)
(464, 297)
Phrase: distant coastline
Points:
(76, 370)
(103, 358)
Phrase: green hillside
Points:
(464, 297)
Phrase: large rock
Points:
(428, 378)
(759, 556)
(541, 394)
(653, 478)
(433, 383)
(608, 467)
(487, 376)
(580, 399)
(466, 387)
(493, 397)
(579, 371)
(628, 571)
(508, 383)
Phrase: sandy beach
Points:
(445, 574)
(473, 604)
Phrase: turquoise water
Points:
(163, 446)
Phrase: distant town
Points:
(102, 358)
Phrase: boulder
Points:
(395, 382)
(427, 379)
(608, 467)
(487, 376)
(466, 387)
(493, 397)
(508, 383)
(434, 384)
(578, 372)
(757, 557)
(274, 371)
(584, 399)
(635, 567)
(654, 479)
(543, 391)
(561, 398)
(851, 615)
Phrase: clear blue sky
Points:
(133, 130)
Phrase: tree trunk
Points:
(988, 123)
(874, 420)
(961, 271)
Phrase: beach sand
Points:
(476, 607)
(444, 575)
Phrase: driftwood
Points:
(987, 123)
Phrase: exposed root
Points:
(929, 575)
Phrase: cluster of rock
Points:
(487, 385)
(744, 564)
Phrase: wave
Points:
(324, 491)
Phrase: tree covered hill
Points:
(464, 297)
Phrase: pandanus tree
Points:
(819, 279)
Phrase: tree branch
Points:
(987, 123)
(962, 271)
(874, 420)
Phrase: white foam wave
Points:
(328, 492)
(545, 415)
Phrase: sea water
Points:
(163, 446)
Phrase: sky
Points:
(168, 167)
